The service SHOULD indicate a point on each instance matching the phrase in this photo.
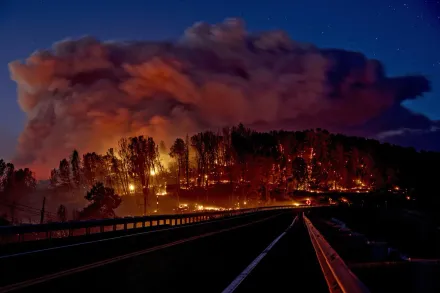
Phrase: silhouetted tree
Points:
(54, 178)
(24, 180)
(117, 171)
(124, 155)
(75, 162)
(64, 174)
(198, 143)
(16, 183)
(177, 152)
(144, 163)
(187, 160)
(62, 213)
(2, 167)
(92, 164)
(8, 178)
(103, 202)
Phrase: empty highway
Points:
(264, 251)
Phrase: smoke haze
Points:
(86, 94)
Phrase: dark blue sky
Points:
(404, 35)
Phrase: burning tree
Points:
(178, 152)
(144, 163)
(64, 174)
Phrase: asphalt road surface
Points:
(290, 266)
(198, 258)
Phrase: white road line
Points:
(240, 278)
(125, 236)
(38, 280)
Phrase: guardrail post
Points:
(88, 231)
(101, 229)
(125, 226)
(70, 232)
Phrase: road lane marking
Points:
(240, 278)
(125, 236)
(27, 283)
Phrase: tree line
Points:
(14, 184)
(261, 164)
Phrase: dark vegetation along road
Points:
(266, 251)
(390, 250)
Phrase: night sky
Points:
(404, 35)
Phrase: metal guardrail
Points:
(29, 232)
(337, 274)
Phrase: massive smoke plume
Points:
(86, 94)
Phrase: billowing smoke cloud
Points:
(86, 94)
